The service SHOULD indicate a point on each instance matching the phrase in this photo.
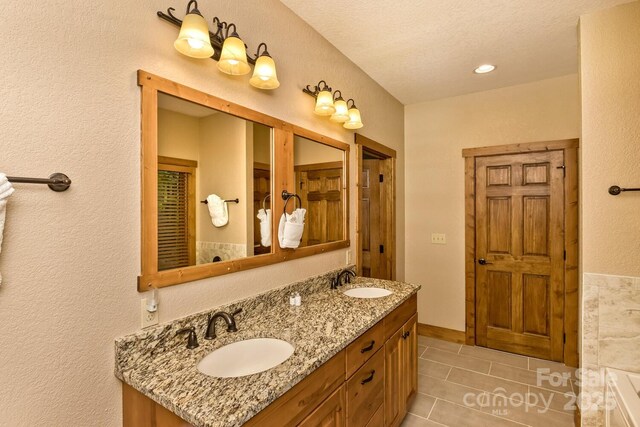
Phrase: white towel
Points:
(6, 189)
(265, 227)
(217, 210)
(290, 229)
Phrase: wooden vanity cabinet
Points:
(401, 371)
(368, 384)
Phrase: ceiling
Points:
(178, 105)
(420, 50)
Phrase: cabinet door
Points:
(330, 413)
(394, 399)
(410, 357)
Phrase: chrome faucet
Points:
(337, 281)
(229, 320)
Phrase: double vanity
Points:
(346, 356)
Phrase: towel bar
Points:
(56, 181)
(614, 190)
(226, 201)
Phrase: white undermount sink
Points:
(245, 357)
(367, 292)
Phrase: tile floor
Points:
(463, 386)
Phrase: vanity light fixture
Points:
(264, 74)
(233, 59)
(342, 109)
(224, 45)
(355, 121)
(329, 103)
(484, 69)
(193, 39)
(324, 100)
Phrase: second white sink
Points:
(245, 358)
(367, 292)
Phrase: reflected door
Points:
(320, 189)
(520, 253)
(261, 189)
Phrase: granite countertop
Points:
(158, 364)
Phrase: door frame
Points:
(365, 144)
(571, 298)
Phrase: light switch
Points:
(438, 239)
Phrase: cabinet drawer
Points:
(292, 407)
(365, 391)
(399, 316)
(364, 347)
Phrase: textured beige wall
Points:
(436, 132)
(70, 103)
(610, 80)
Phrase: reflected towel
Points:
(217, 210)
(6, 190)
(290, 229)
(265, 227)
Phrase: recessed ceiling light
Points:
(485, 68)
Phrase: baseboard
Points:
(446, 334)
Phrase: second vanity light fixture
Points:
(329, 103)
(225, 46)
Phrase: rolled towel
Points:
(6, 190)
(291, 228)
(217, 210)
(265, 227)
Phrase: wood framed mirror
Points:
(212, 169)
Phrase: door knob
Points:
(483, 261)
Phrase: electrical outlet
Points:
(438, 239)
(348, 260)
(147, 318)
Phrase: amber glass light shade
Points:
(264, 73)
(324, 103)
(233, 59)
(342, 111)
(355, 121)
(193, 40)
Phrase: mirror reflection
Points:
(319, 176)
(214, 173)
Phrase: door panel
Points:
(520, 235)
(370, 218)
(320, 189)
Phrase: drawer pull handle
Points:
(406, 335)
(369, 347)
(369, 378)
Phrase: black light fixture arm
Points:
(265, 52)
(338, 97)
(217, 38)
(314, 90)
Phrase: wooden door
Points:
(394, 401)
(261, 188)
(410, 358)
(520, 253)
(376, 224)
(370, 217)
(320, 188)
(330, 413)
